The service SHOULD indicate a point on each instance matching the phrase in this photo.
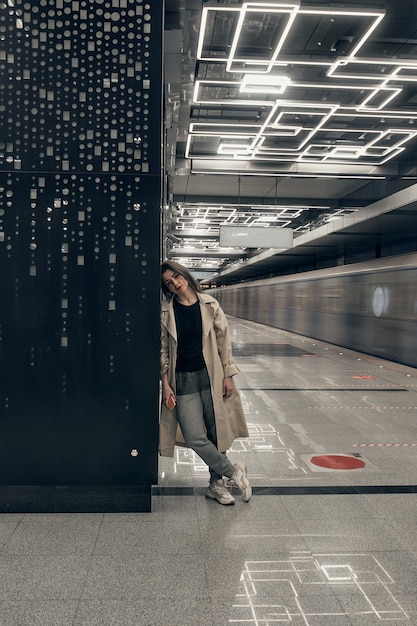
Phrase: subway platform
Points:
(328, 539)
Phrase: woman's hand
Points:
(167, 393)
(227, 387)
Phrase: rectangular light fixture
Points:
(256, 237)
(264, 83)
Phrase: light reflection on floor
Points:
(302, 590)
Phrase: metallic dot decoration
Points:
(80, 180)
(77, 86)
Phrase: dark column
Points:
(80, 190)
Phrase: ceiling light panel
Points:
(374, 69)
(321, 30)
(298, 72)
(201, 224)
(259, 36)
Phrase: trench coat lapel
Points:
(207, 315)
(168, 318)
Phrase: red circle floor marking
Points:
(337, 461)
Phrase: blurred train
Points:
(370, 307)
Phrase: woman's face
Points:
(176, 283)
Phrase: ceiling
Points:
(285, 114)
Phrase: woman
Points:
(197, 369)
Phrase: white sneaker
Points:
(217, 491)
(240, 480)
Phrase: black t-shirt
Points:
(189, 335)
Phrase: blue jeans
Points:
(195, 414)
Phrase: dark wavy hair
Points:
(177, 268)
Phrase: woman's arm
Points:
(224, 342)
(167, 390)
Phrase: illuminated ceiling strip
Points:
(318, 127)
(311, 109)
(284, 131)
(338, 161)
(239, 150)
(296, 106)
(271, 8)
(344, 111)
(202, 30)
(198, 99)
(400, 64)
(203, 24)
(345, 153)
(233, 207)
(281, 156)
(365, 103)
(337, 87)
(363, 161)
(194, 127)
(258, 150)
(260, 138)
(243, 137)
(289, 174)
(220, 83)
(293, 10)
(355, 131)
(387, 114)
(409, 135)
(234, 149)
(377, 15)
(188, 146)
(262, 83)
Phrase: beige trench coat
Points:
(217, 353)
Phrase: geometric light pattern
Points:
(195, 229)
(350, 585)
(194, 236)
(267, 100)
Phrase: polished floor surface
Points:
(328, 539)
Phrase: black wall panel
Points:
(80, 190)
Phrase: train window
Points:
(282, 296)
(355, 295)
(400, 295)
(363, 308)
(301, 296)
(332, 299)
(406, 306)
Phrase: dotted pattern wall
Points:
(80, 188)
(79, 85)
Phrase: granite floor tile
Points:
(329, 507)
(10, 518)
(35, 578)
(147, 537)
(370, 619)
(256, 548)
(183, 610)
(337, 534)
(401, 506)
(6, 531)
(174, 508)
(38, 613)
(50, 535)
(142, 577)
